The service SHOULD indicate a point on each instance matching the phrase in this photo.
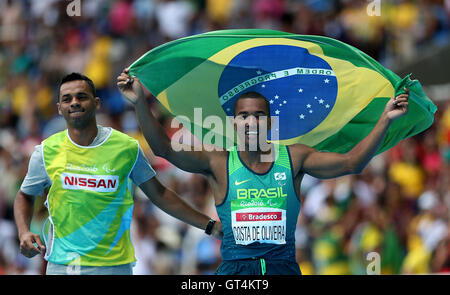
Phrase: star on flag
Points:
(309, 107)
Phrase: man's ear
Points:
(97, 102)
(58, 105)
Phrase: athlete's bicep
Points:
(187, 159)
(321, 164)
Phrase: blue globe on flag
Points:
(301, 88)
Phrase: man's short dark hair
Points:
(252, 94)
(77, 76)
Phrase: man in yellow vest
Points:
(90, 170)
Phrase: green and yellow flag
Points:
(325, 93)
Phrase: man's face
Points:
(252, 122)
(77, 104)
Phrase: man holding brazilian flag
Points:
(328, 106)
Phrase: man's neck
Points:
(258, 158)
(83, 136)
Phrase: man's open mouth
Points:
(77, 111)
(251, 132)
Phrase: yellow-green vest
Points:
(90, 201)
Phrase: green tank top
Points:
(90, 201)
(260, 211)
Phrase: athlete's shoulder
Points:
(299, 151)
(123, 141)
(217, 157)
(55, 138)
(58, 134)
(121, 135)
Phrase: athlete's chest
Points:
(273, 184)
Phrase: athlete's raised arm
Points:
(154, 133)
(331, 165)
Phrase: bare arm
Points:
(173, 205)
(331, 165)
(23, 212)
(154, 133)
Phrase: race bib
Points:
(259, 220)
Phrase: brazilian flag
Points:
(325, 93)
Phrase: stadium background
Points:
(398, 207)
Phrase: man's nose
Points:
(252, 120)
(75, 102)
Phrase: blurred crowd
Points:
(396, 210)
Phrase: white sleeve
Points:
(37, 178)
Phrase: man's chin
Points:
(78, 122)
(251, 144)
